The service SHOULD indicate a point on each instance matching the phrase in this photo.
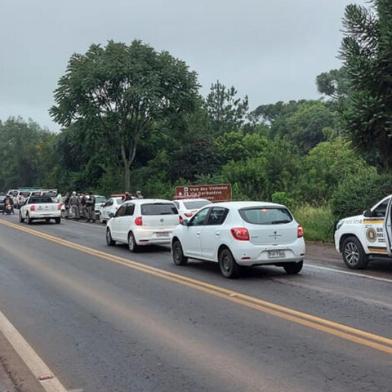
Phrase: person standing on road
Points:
(139, 195)
(90, 203)
(74, 206)
(127, 196)
(83, 206)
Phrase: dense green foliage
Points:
(133, 119)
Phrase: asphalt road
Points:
(103, 325)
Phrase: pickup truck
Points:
(363, 237)
(40, 207)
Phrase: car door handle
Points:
(198, 233)
(217, 234)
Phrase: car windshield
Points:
(100, 199)
(195, 204)
(266, 215)
(40, 200)
(25, 194)
(159, 209)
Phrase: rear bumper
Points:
(153, 237)
(45, 215)
(247, 254)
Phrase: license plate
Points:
(275, 254)
(163, 234)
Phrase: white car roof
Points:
(198, 199)
(143, 201)
(247, 204)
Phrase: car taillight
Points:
(59, 206)
(139, 221)
(188, 214)
(32, 207)
(240, 233)
(300, 231)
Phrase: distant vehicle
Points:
(235, 234)
(110, 207)
(99, 202)
(40, 208)
(2, 201)
(188, 207)
(21, 198)
(364, 237)
(142, 222)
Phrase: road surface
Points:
(106, 320)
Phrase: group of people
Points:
(80, 206)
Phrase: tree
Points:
(367, 55)
(225, 111)
(25, 154)
(118, 91)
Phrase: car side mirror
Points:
(367, 213)
(111, 215)
(185, 222)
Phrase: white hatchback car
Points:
(142, 222)
(109, 208)
(188, 207)
(40, 207)
(238, 234)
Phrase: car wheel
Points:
(21, 220)
(28, 219)
(132, 245)
(353, 254)
(228, 266)
(58, 220)
(178, 254)
(47, 220)
(293, 268)
(109, 239)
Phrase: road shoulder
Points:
(14, 374)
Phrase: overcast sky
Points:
(268, 49)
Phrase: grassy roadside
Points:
(318, 222)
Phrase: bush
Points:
(359, 193)
(283, 198)
(318, 222)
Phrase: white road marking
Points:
(348, 273)
(32, 360)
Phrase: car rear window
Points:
(196, 204)
(159, 209)
(266, 215)
(39, 200)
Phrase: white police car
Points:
(359, 238)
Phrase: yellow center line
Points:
(351, 334)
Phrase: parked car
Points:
(142, 222)
(40, 207)
(363, 237)
(188, 207)
(236, 234)
(99, 202)
(110, 207)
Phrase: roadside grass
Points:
(318, 222)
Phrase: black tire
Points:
(47, 220)
(228, 266)
(293, 268)
(109, 239)
(29, 221)
(353, 254)
(178, 254)
(132, 245)
(21, 220)
(57, 220)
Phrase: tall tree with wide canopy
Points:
(119, 91)
(367, 55)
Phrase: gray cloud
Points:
(270, 50)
